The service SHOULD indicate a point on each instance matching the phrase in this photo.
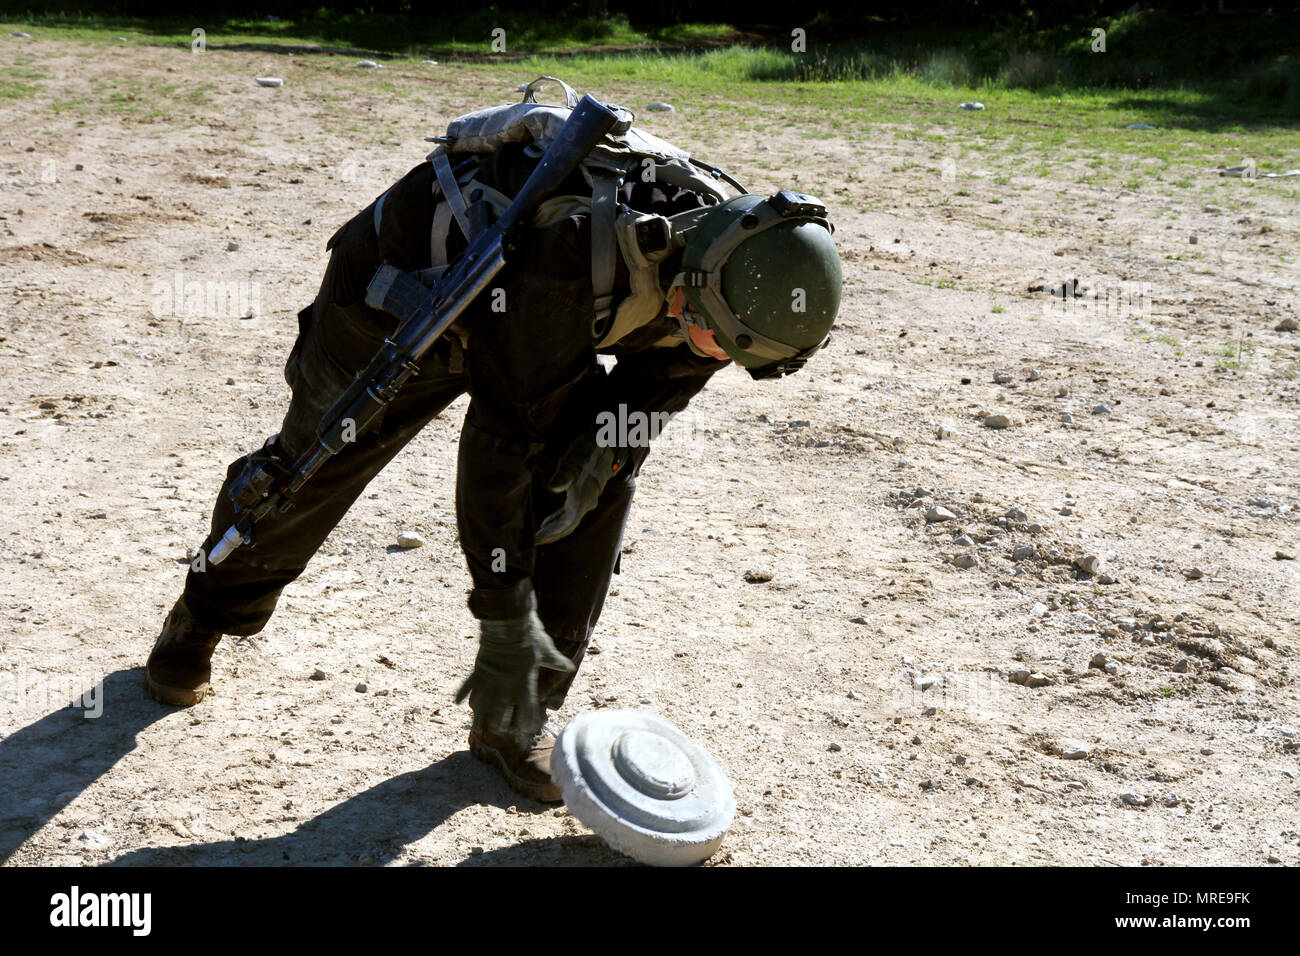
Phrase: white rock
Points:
(970, 106)
(270, 81)
(409, 539)
(1016, 514)
(997, 421)
(1134, 799)
(660, 107)
(367, 65)
(1076, 753)
(939, 513)
(428, 63)
(1101, 408)
(1088, 564)
(643, 786)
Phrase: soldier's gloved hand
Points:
(582, 473)
(502, 690)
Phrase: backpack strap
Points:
(604, 207)
(450, 189)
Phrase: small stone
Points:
(997, 421)
(232, 246)
(1001, 377)
(367, 65)
(361, 688)
(929, 711)
(1193, 574)
(1101, 408)
(1088, 564)
(1283, 556)
(1099, 661)
(230, 381)
(1183, 666)
(1289, 324)
(1111, 668)
(1066, 511)
(319, 674)
(658, 107)
(1172, 801)
(944, 434)
(1034, 375)
(964, 541)
(1016, 514)
(939, 513)
(409, 539)
(966, 561)
(1066, 417)
(1023, 552)
(1076, 753)
(1135, 799)
(270, 81)
(428, 63)
(1192, 239)
(1038, 610)
(758, 577)
(834, 748)
(1038, 680)
(926, 682)
(94, 839)
(21, 35)
(1063, 391)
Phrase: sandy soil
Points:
(862, 700)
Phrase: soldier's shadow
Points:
(369, 827)
(47, 764)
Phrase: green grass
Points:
(1037, 125)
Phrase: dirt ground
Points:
(863, 699)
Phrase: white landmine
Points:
(643, 786)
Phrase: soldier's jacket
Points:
(534, 382)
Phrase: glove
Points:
(502, 689)
(582, 473)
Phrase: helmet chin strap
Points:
(677, 310)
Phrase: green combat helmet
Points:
(763, 275)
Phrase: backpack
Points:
(642, 239)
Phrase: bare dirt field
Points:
(859, 671)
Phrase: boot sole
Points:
(175, 696)
(542, 792)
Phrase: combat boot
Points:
(180, 665)
(525, 763)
